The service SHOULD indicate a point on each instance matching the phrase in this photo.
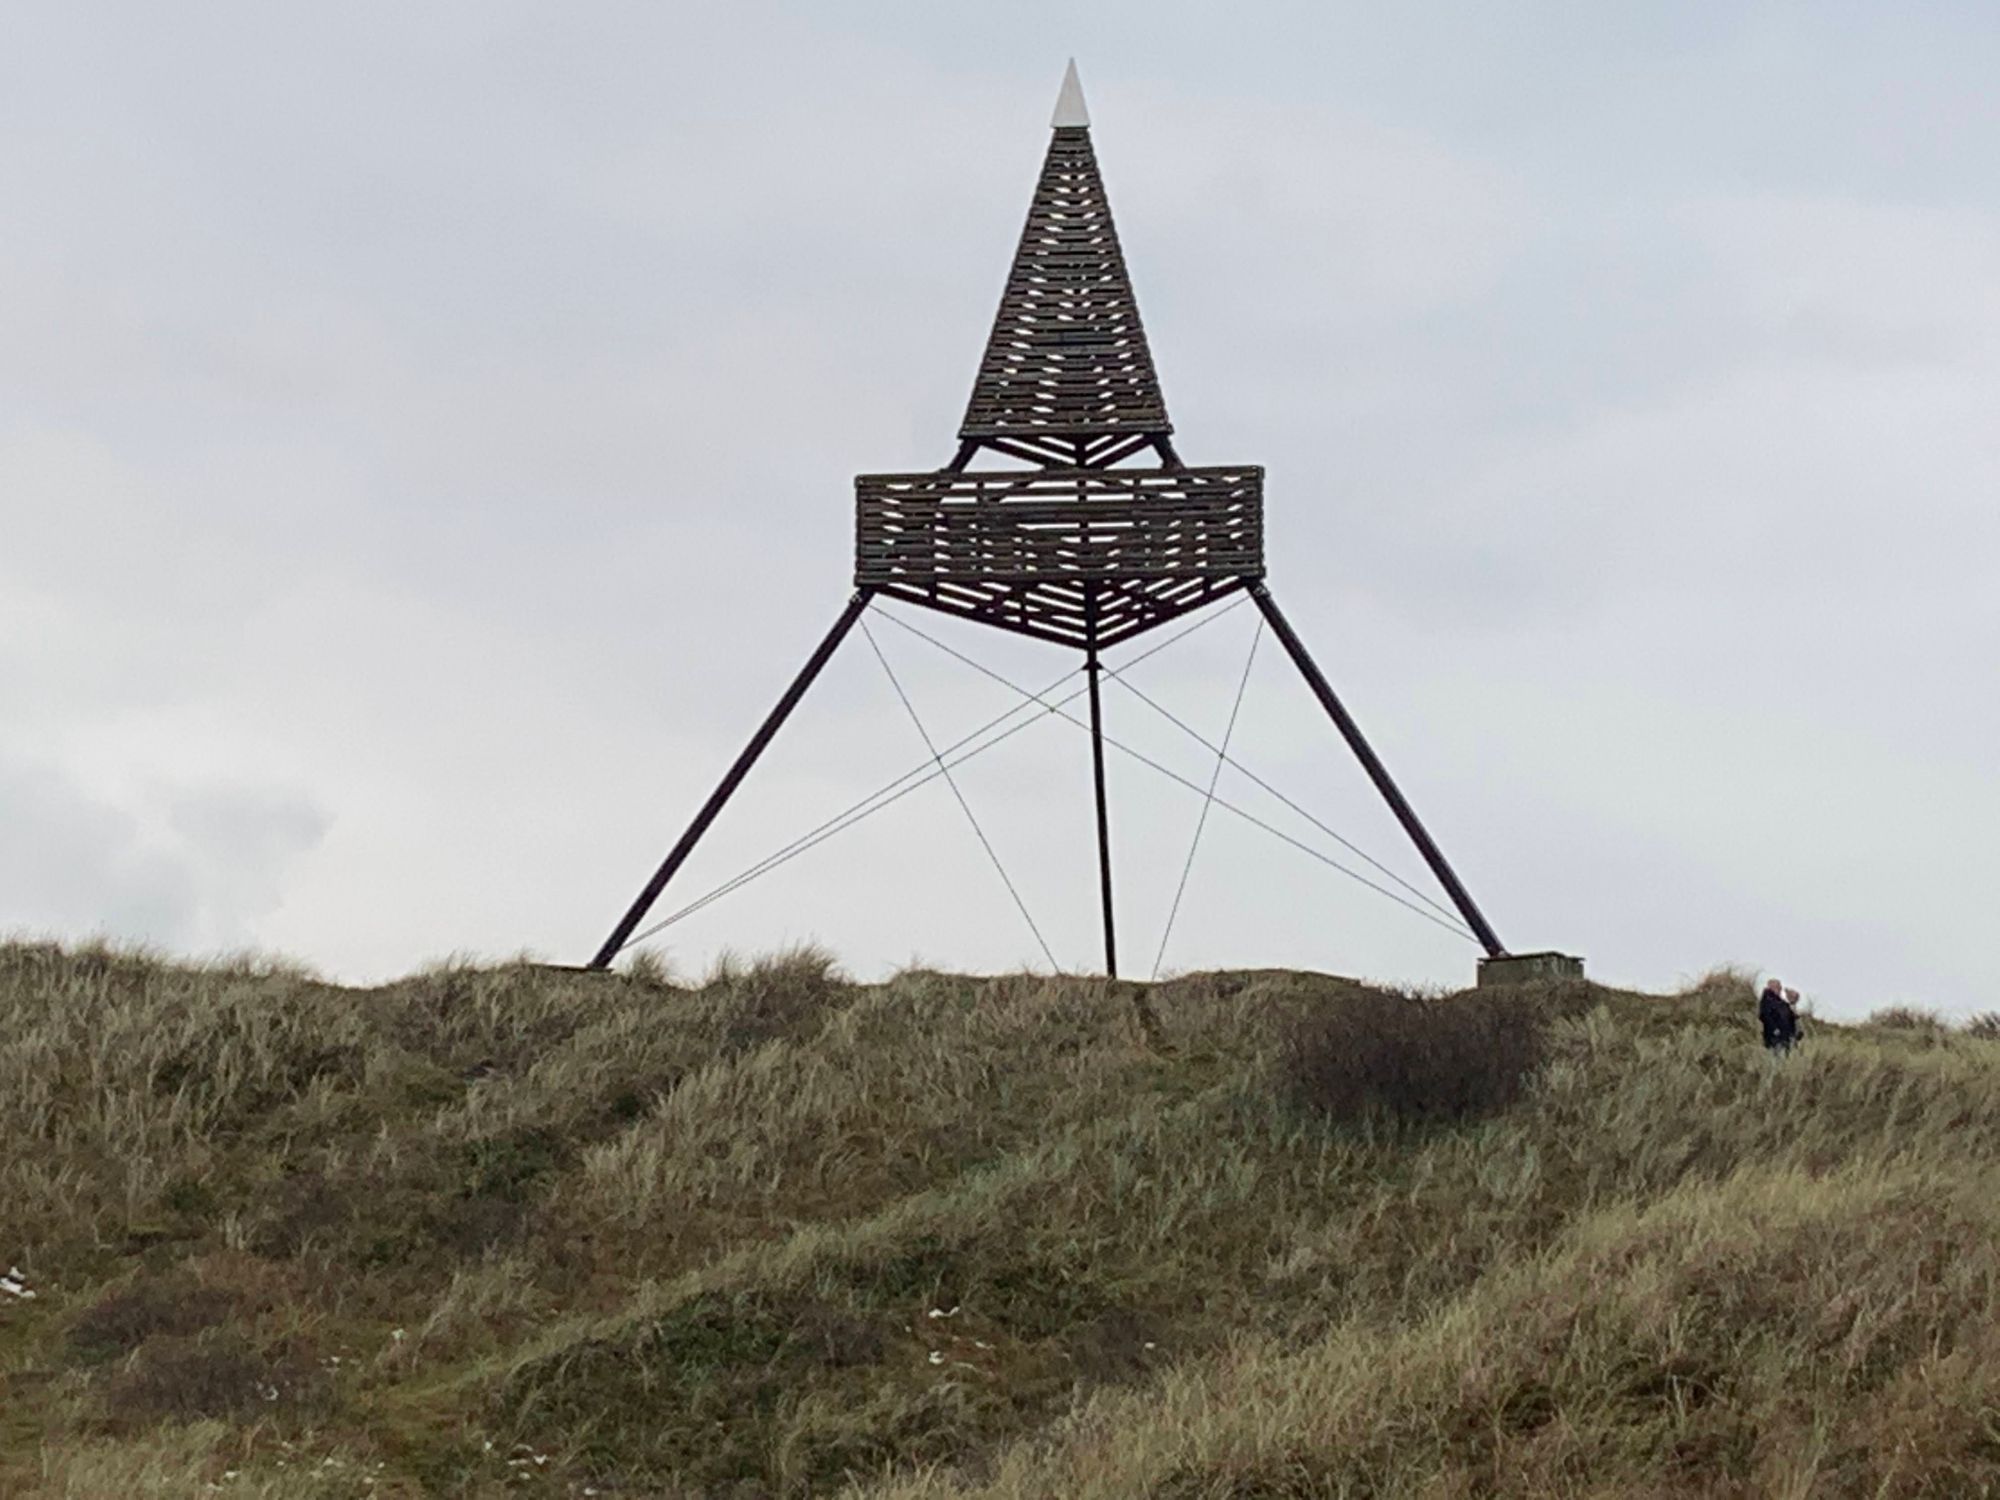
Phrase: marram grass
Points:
(513, 1231)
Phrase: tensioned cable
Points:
(1172, 775)
(1352, 848)
(894, 791)
(952, 782)
(1221, 756)
(859, 812)
(881, 797)
(889, 793)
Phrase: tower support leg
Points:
(766, 732)
(1377, 772)
(1092, 667)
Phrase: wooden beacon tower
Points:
(1094, 532)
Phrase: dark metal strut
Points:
(1092, 667)
(766, 732)
(1377, 772)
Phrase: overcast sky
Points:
(427, 432)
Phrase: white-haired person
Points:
(1777, 1013)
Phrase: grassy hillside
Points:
(513, 1231)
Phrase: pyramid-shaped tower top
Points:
(1068, 356)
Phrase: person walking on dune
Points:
(1778, 1016)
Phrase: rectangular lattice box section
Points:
(1086, 557)
(1050, 524)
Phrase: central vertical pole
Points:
(1092, 667)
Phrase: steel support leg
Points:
(1092, 667)
(766, 732)
(1377, 772)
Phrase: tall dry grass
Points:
(515, 1230)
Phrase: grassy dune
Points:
(514, 1231)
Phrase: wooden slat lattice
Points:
(1068, 354)
(1081, 556)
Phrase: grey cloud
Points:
(185, 868)
(73, 865)
(240, 843)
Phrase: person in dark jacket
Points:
(1778, 1017)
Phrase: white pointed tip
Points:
(1070, 112)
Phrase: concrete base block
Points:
(1529, 968)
